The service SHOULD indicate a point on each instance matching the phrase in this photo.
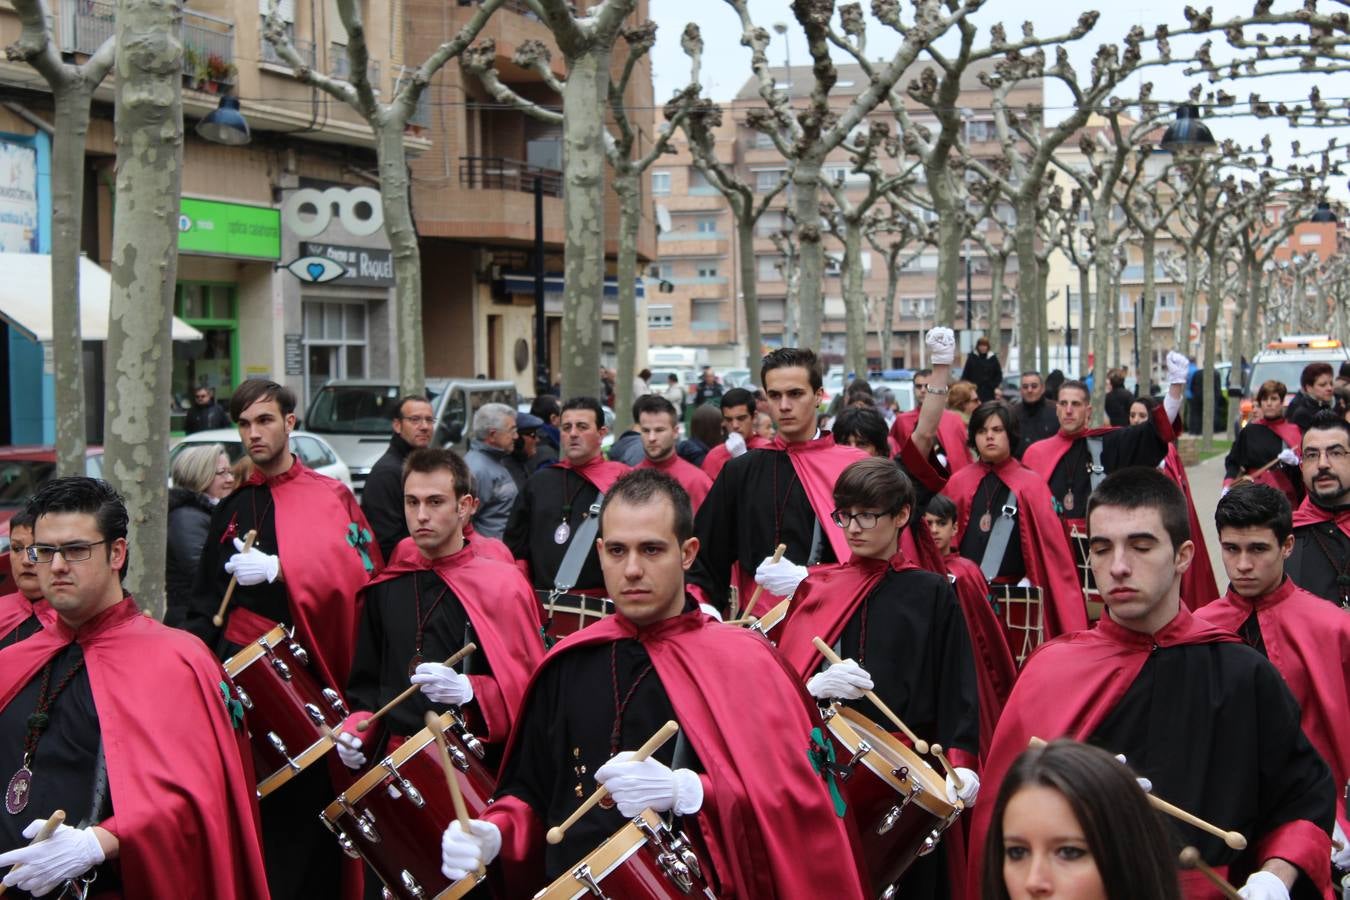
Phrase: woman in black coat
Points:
(201, 477)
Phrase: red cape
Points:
(600, 472)
(1045, 545)
(328, 553)
(181, 778)
(1277, 476)
(486, 547)
(818, 465)
(952, 436)
(15, 609)
(760, 819)
(1309, 513)
(1044, 455)
(719, 456)
(995, 669)
(694, 480)
(1197, 582)
(1308, 640)
(505, 616)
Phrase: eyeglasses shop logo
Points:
(308, 212)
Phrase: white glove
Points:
(1340, 858)
(464, 853)
(1178, 367)
(941, 344)
(845, 680)
(970, 787)
(710, 610)
(1264, 886)
(1223, 491)
(780, 577)
(349, 749)
(252, 566)
(649, 784)
(442, 684)
(736, 444)
(42, 867)
(1289, 457)
(1144, 784)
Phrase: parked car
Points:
(312, 450)
(902, 389)
(23, 470)
(689, 379)
(741, 378)
(356, 416)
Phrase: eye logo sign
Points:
(316, 269)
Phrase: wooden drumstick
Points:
(654, 743)
(49, 826)
(749, 608)
(936, 750)
(827, 651)
(1233, 839)
(451, 778)
(1190, 859)
(364, 726)
(219, 618)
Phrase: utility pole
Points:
(541, 379)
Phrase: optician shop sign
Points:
(229, 229)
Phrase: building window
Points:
(1310, 239)
(707, 270)
(770, 222)
(763, 140)
(699, 184)
(706, 225)
(660, 183)
(660, 316)
(767, 179)
(335, 343)
(770, 268)
(978, 131)
(665, 270)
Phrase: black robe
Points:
(1137, 445)
(1252, 449)
(756, 503)
(535, 519)
(990, 497)
(1320, 563)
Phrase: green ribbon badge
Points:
(821, 753)
(233, 706)
(360, 538)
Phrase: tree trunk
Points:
(1087, 304)
(149, 133)
(1205, 386)
(1101, 336)
(1244, 308)
(1042, 320)
(810, 254)
(855, 302)
(997, 266)
(1028, 280)
(754, 338)
(1190, 287)
(886, 332)
(402, 233)
(627, 185)
(951, 231)
(1148, 302)
(584, 98)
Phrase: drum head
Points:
(933, 796)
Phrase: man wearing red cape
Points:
(1208, 721)
(24, 612)
(902, 635)
(435, 596)
(312, 554)
(1320, 563)
(781, 495)
(1307, 639)
(1267, 450)
(128, 726)
(738, 778)
(738, 421)
(658, 423)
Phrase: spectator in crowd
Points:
(205, 413)
(1052, 383)
(1118, 399)
(764, 425)
(963, 399)
(674, 392)
(382, 497)
(708, 388)
(548, 410)
(983, 370)
(493, 440)
(705, 432)
(1035, 413)
(642, 383)
(529, 453)
(1317, 387)
(201, 477)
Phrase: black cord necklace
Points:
(21, 784)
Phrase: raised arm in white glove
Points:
(442, 684)
(1340, 858)
(941, 344)
(649, 784)
(1289, 457)
(735, 444)
(1264, 885)
(41, 867)
(970, 787)
(463, 853)
(349, 749)
(780, 577)
(1178, 368)
(252, 566)
(845, 680)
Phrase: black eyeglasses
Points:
(75, 551)
(865, 520)
(1313, 456)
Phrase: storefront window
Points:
(213, 361)
(335, 343)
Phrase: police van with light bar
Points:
(1284, 359)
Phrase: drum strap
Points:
(1096, 472)
(682, 757)
(814, 556)
(582, 541)
(999, 535)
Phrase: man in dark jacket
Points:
(983, 370)
(382, 497)
(1035, 413)
(205, 412)
(708, 389)
(1118, 399)
(1316, 388)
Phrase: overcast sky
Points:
(726, 64)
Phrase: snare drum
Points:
(569, 613)
(1092, 598)
(771, 619)
(289, 711)
(1022, 614)
(394, 816)
(644, 860)
(898, 802)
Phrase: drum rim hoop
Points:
(923, 775)
(563, 885)
(255, 650)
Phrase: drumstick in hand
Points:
(654, 743)
(459, 654)
(936, 750)
(919, 744)
(1190, 859)
(219, 618)
(456, 796)
(1233, 839)
(749, 609)
(44, 832)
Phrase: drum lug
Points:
(586, 878)
(888, 821)
(243, 696)
(335, 700)
(301, 655)
(343, 841)
(410, 884)
(282, 669)
(404, 785)
(864, 748)
(888, 893)
(315, 714)
(365, 820)
(280, 746)
(676, 871)
(386, 894)
(461, 730)
(930, 843)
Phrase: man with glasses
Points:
(382, 497)
(1036, 417)
(205, 412)
(127, 725)
(24, 612)
(1320, 562)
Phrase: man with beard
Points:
(1035, 413)
(382, 497)
(1320, 562)
(313, 552)
(24, 612)
(657, 424)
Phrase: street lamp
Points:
(780, 28)
(1324, 214)
(1187, 134)
(225, 124)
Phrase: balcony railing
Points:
(268, 53)
(499, 173)
(86, 24)
(693, 236)
(208, 37)
(340, 66)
